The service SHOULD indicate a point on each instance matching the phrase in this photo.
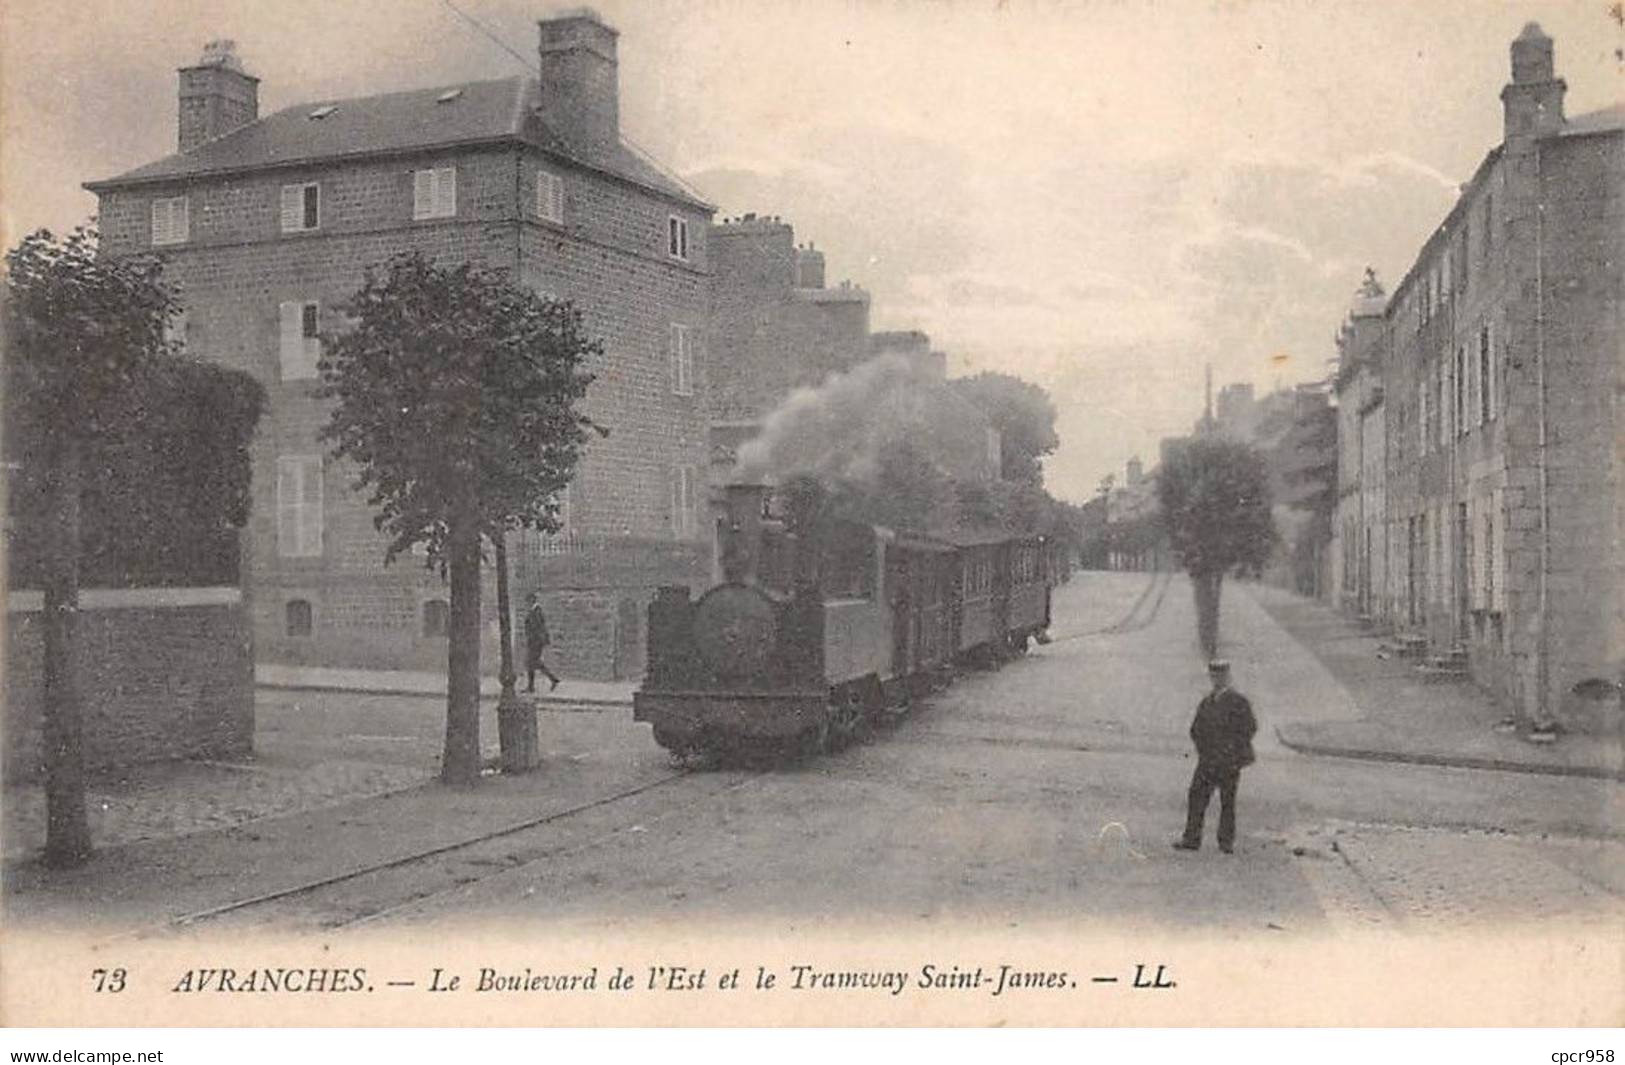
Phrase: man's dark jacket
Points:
(536, 636)
(1223, 730)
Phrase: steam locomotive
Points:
(810, 638)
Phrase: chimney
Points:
(809, 267)
(216, 96)
(1533, 101)
(580, 80)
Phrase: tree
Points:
(455, 396)
(1307, 457)
(1215, 503)
(1024, 416)
(80, 329)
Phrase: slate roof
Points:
(1606, 120)
(483, 112)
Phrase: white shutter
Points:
(292, 340)
(287, 505)
(169, 221)
(445, 192)
(676, 506)
(1498, 552)
(549, 196)
(423, 194)
(310, 508)
(685, 362)
(676, 369)
(293, 208)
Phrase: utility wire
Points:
(492, 37)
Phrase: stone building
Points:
(775, 326)
(1359, 550)
(266, 225)
(1501, 377)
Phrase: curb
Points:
(555, 702)
(1454, 761)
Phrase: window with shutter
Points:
(549, 196)
(682, 361)
(170, 224)
(682, 502)
(434, 193)
(301, 348)
(1487, 371)
(299, 506)
(301, 207)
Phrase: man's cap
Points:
(1218, 665)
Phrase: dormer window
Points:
(677, 238)
(301, 207)
(169, 221)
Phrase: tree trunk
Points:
(460, 765)
(516, 720)
(67, 832)
(1207, 611)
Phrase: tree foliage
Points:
(455, 396)
(82, 331)
(1024, 416)
(164, 489)
(1214, 497)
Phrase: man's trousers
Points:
(1203, 782)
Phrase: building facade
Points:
(267, 225)
(1359, 525)
(1501, 375)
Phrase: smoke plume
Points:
(839, 432)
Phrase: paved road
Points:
(1050, 788)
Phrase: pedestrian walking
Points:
(536, 641)
(1223, 733)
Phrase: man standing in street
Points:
(536, 641)
(1223, 733)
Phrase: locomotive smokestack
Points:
(742, 532)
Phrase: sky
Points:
(1101, 197)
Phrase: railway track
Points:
(370, 892)
(379, 890)
(1141, 614)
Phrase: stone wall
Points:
(165, 673)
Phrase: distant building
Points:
(1359, 552)
(266, 225)
(1503, 488)
(776, 327)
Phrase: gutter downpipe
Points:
(1543, 648)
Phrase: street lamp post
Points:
(516, 718)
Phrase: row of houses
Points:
(267, 223)
(1480, 508)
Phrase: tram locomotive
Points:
(807, 640)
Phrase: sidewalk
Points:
(1403, 718)
(570, 693)
(140, 885)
